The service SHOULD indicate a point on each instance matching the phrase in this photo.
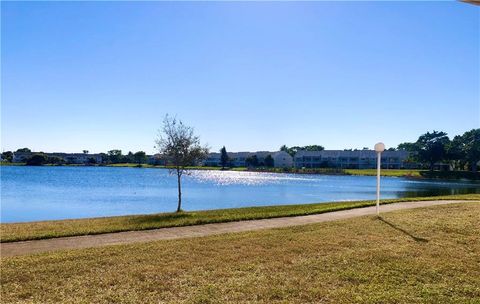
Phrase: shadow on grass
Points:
(451, 174)
(415, 238)
(163, 217)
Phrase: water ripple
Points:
(246, 178)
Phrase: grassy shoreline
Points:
(425, 255)
(12, 232)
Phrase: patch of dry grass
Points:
(426, 255)
(51, 229)
(386, 172)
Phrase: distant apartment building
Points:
(359, 159)
(69, 158)
(281, 159)
(78, 158)
(156, 160)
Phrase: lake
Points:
(48, 193)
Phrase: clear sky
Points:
(250, 76)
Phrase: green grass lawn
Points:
(425, 255)
(11, 164)
(50, 229)
(386, 172)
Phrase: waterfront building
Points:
(357, 159)
(69, 158)
(281, 159)
(343, 159)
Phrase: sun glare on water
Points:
(243, 178)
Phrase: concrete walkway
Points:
(75, 242)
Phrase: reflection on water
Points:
(42, 193)
(411, 187)
(435, 188)
(245, 178)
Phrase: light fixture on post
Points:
(379, 148)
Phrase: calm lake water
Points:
(47, 193)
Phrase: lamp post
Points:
(379, 148)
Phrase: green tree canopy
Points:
(406, 146)
(456, 153)
(223, 157)
(471, 147)
(37, 159)
(312, 148)
(7, 156)
(91, 161)
(55, 160)
(140, 157)
(269, 161)
(178, 144)
(432, 147)
(293, 150)
(115, 156)
(252, 161)
(25, 150)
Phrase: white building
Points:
(69, 158)
(281, 159)
(359, 159)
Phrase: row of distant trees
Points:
(116, 157)
(293, 150)
(253, 161)
(111, 157)
(462, 152)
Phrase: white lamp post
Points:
(379, 148)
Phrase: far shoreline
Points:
(404, 173)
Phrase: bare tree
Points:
(180, 147)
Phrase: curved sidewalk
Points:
(87, 241)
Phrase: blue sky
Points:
(250, 76)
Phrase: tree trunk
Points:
(432, 164)
(474, 166)
(179, 207)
